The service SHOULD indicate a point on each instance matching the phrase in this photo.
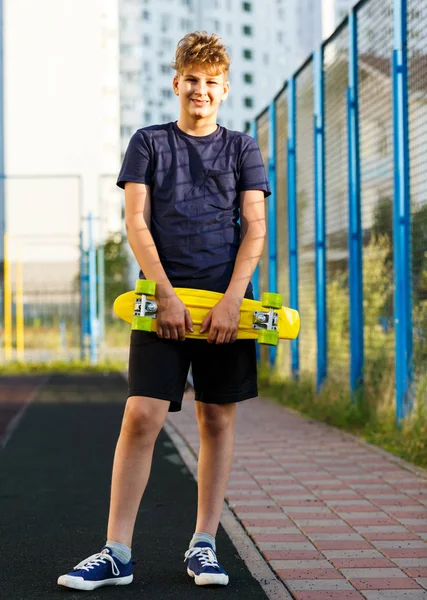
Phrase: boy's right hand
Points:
(173, 318)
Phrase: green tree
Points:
(383, 225)
(116, 261)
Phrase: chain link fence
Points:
(363, 171)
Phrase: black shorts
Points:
(222, 373)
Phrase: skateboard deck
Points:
(254, 317)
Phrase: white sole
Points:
(78, 583)
(209, 578)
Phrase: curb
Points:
(248, 552)
(401, 462)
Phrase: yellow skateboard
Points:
(267, 321)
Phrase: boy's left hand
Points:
(223, 321)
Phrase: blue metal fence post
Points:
(93, 329)
(83, 286)
(272, 212)
(292, 216)
(355, 215)
(402, 215)
(320, 229)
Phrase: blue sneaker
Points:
(203, 565)
(98, 570)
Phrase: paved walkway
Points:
(334, 518)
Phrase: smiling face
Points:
(200, 93)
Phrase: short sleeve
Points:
(137, 163)
(252, 171)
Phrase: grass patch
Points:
(369, 415)
(60, 366)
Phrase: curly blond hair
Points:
(202, 49)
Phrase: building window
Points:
(247, 30)
(248, 78)
(248, 102)
(146, 15)
(247, 53)
(247, 6)
(166, 93)
(125, 49)
(187, 24)
(229, 28)
(147, 117)
(247, 126)
(166, 22)
(164, 68)
(166, 43)
(146, 40)
(165, 118)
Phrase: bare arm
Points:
(223, 320)
(173, 316)
(252, 220)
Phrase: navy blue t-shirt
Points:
(195, 183)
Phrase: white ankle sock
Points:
(120, 551)
(199, 536)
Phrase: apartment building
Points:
(266, 39)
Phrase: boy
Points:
(186, 185)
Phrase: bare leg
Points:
(216, 427)
(142, 421)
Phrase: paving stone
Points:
(304, 574)
(318, 584)
(376, 573)
(300, 564)
(389, 583)
(406, 552)
(401, 544)
(380, 529)
(348, 537)
(395, 595)
(278, 530)
(422, 581)
(292, 555)
(362, 563)
(352, 554)
(318, 521)
(410, 562)
(328, 595)
(287, 546)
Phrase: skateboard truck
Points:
(267, 321)
(144, 310)
(144, 307)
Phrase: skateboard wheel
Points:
(270, 338)
(270, 300)
(142, 323)
(145, 286)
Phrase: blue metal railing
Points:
(358, 229)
